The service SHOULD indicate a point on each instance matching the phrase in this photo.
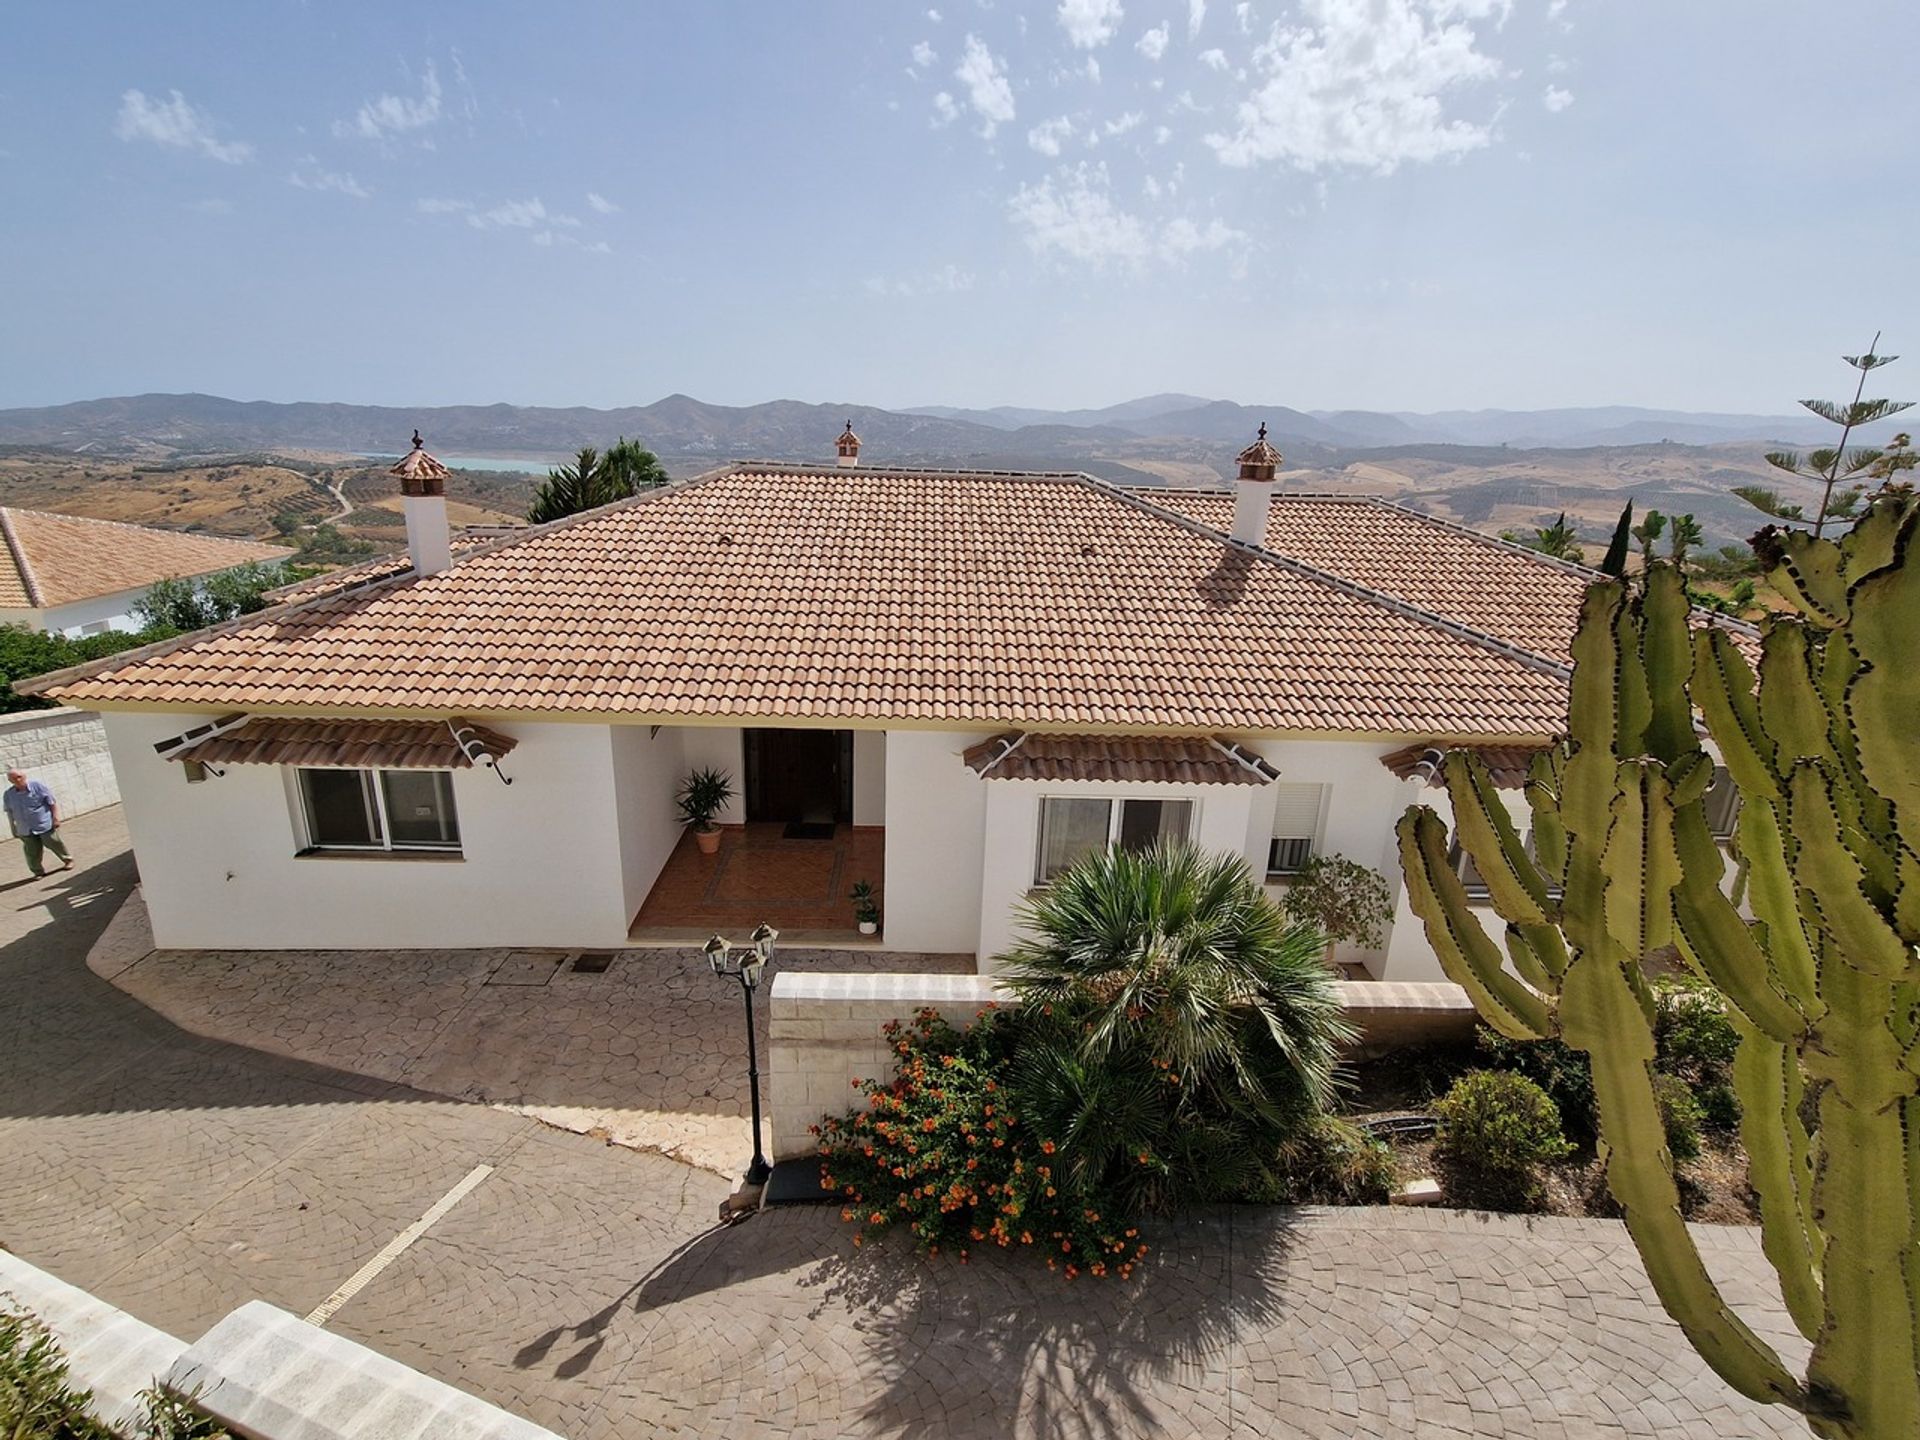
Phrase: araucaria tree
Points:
(1816, 953)
(1828, 467)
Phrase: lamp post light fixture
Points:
(746, 963)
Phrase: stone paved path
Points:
(585, 1285)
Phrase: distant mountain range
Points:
(686, 432)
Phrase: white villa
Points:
(947, 683)
(76, 576)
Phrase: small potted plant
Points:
(704, 795)
(866, 910)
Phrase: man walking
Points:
(35, 817)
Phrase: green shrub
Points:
(1496, 1130)
(1692, 1034)
(1330, 1161)
(1556, 1067)
(1680, 1116)
(1719, 1106)
(39, 1402)
(1178, 1027)
(943, 1150)
(25, 653)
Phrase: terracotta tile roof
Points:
(353, 744)
(1177, 759)
(386, 567)
(53, 559)
(1506, 764)
(764, 591)
(1484, 583)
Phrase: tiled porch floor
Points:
(798, 886)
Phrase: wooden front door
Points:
(800, 775)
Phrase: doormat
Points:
(807, 830)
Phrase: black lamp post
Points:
(746, 965)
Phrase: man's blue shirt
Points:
(30, 811)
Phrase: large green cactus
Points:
(1813, 944)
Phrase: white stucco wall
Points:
(1222, 815)
(936, 827)
(716, 747)
(647, 770)
(869, 777)
(1409, 957)
(115, 611)
(541, 862)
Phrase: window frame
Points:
(373, 792)
(1116, 819)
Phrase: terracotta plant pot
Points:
(708, 840)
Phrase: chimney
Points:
(849, 446)
(1253, 491)
(423, 491)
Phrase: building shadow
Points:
(1225, 586)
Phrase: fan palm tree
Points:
(595, 479)
(1180, 1026)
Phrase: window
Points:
(1296, 826)
(1073, 829)
(96, 627)
(379, 810)
(1723, 803)
(1468, 872)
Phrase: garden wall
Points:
(67, 749)
(825, 1031)
(260, 1372)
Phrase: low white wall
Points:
(65, 749)
(541, 859)
(260, 1372)
(936, 827)
(825, 1032)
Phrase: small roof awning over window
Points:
(1158, 759)
(349, 744)
(1422, 760)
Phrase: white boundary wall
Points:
(67, 749)
(825, 1031)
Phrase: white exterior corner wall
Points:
(935, 810)
(67, 751)
(541, 860)
(716, 747)
(90, 616)
(869, 777)
(1222, 815)
(648, 766)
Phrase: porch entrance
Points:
(799, 777)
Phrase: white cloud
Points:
(1124, 123)
(923, 55)
(1161, 134)
(600, 205)
(309, 176)
(1217, 59)
(1243, 17)
(945, 112)
(177, 125)
(1196, 16)
(518, 215)
(1556, 99)
(389, 115)
(1089, 23)
(428, 206)
(1093, 70)
(934, 16)
(988, 91)
(1049, 135)
(1153, 44)
(1071, 216)
(1362, 85)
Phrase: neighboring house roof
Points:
(770, 591)
(1486, 584)
(352, 744)
(51, 560)
(1171, 759)
(1507, 765)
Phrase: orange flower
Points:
(1046, 1147)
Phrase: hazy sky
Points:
(1394, 204)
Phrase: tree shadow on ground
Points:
(1002, 1345)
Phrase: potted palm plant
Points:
(866, 910)
(704, 795)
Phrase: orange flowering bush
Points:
(942, 1151)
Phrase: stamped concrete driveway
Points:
(585, 1285)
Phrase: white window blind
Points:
(1296, 825)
